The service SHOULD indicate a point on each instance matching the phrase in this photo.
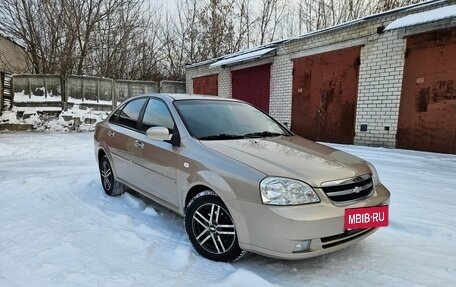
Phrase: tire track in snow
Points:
(98, 216)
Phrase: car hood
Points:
(292, 157)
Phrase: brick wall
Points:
(379, 91)
(380, 76)
(281, 84)
(224, 79)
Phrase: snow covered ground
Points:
(57, 228)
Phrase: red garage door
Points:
(252, 85)
(325, 90)
(206, 85)
(427, 113)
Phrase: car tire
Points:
(110, 185)
(211, 229)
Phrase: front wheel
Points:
(211, 229)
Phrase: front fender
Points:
(230, 190)
(213, 181)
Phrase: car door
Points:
(154, 161)
(122, 130)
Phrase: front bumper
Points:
(274, 231)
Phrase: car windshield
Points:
(217, 120)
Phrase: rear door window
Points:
(129, 115)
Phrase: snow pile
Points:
(423, 17)
(10, 117)
(82, 119)
(58, 228)
(74, 119)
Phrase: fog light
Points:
(302, 246)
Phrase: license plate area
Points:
(366, 217)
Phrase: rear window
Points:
(129, 114)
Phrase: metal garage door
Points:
(427, 113)
(325, 90)
(252, 85)
(206, 85)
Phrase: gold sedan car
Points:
(242, 181)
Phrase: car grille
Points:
(349, 190)
(331, 241)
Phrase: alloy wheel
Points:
(106, 175)
(213, 228)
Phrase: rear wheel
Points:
(110, 185)
(211, 229)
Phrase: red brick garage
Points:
(206, 85)
(252, 85)
(324, 95)
(427, 113)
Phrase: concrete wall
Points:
(37, 85)
(83, 89)
(89, 89)
(172, 87)
(380, 78)
(127, 89)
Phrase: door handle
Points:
(139, 144)
(111, 133)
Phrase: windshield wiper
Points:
(264, 134)
(221, 137)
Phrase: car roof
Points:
(179, 97)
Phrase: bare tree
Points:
(88, 13)
(384, 5)
(245, 24)
(216, 29)
(19, 20)
(124, 42)
(271, 14)
(132, 39)
(179, 38)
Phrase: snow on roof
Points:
(205, 62)
(242, 58)
(274, 44)
(423, 17)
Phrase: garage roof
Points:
(424, 17)
(243, 57)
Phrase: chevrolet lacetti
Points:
(242, 181)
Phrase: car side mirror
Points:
(158, 133)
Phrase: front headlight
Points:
(375, 178)
(285, 191)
